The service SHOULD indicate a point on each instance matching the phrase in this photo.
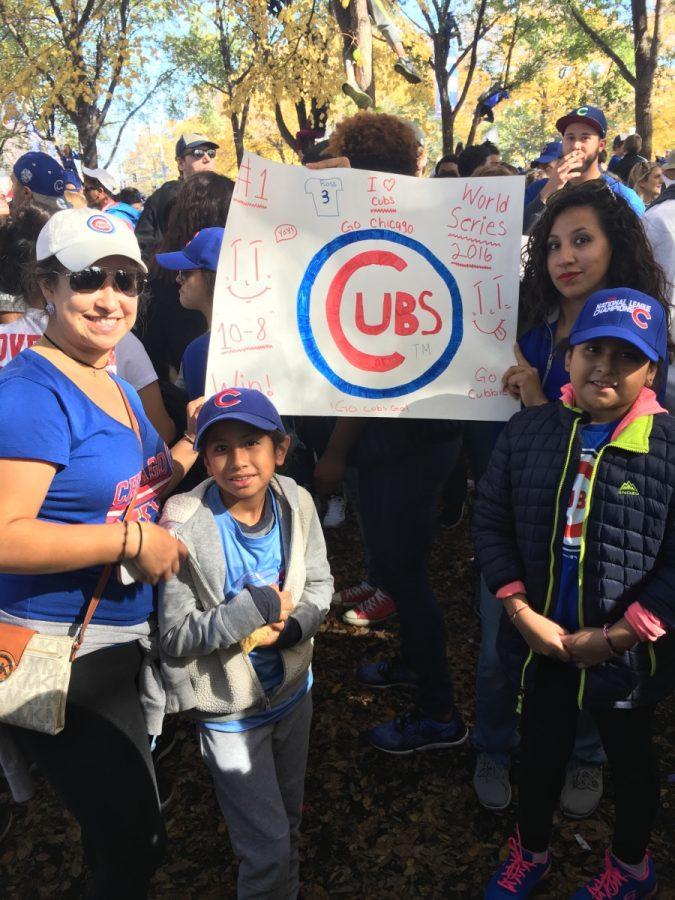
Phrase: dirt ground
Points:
(375, 826)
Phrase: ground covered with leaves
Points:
(375, 826)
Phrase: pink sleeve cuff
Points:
(645, 624)
(516, 587)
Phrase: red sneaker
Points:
(353, 595)
(374, 609)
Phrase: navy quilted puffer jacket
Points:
(628, 540)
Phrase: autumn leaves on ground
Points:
(376, 826)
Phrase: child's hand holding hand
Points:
(587, 647)
(286, 602)
(272, 633)
(542, 635)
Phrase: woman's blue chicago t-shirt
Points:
(45, 416)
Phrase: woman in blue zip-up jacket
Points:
(575, 532)
(588, 239)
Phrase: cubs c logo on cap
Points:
(641, 316)
(226, 399)
(100, 224)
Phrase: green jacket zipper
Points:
(582, 554)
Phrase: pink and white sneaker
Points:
(617, 883)
(374, 609)
(353, 595)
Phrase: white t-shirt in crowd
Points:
(128, 360)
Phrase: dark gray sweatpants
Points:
(259, 778)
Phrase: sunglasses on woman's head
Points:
(127, 281)
(198, 153)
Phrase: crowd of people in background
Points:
(112, 457)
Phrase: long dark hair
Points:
(17, 252)
(202, 202)
(632, 263)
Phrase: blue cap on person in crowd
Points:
(41, 173)
(240, 405)
(626, 314)
(72, 180)
(201, 253)
(552, 150)
(589, 115)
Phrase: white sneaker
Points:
(335, 514)
(491, 783)
(582, 791)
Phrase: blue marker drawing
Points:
(305, 327)
(324, 193)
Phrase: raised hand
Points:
(563, 170)
(522, 381)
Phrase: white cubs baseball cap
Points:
(80, 237)
(102, 176)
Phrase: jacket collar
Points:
(182, 507)
(632, 432)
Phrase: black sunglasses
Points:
(198, 153)
(86, 281)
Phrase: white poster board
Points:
(347, 292)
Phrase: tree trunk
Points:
(362, 31)
(646, 51)
(441, 53)
(644, 86)
(284, 130)
(474, 127)
(87, 132)
(238, 122)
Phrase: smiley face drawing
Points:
(489, 314)
(246, 279)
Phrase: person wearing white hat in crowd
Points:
(194, 153)
(76, 451)
(99, 188)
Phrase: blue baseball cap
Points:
(201, 253)
(552, 150)
(41, 173)
(589, 115)
(241, 405)
(626, 314)
(72, 180)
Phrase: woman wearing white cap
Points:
(81, 471)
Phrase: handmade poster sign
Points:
(347, 292)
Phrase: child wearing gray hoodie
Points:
(238, 620)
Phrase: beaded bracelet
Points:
(612, 647)
(120, 558)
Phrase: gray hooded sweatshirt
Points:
(203, 666)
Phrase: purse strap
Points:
(107, 569)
